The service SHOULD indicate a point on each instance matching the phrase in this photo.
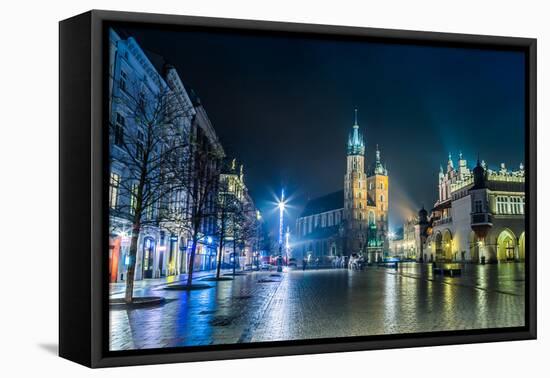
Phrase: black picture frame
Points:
(84, 215)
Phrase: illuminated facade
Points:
(128, 65)
(353, 220)
(241, 219)
(163, 247)
(406, 245)
(479, 215)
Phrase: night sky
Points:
(284, 107)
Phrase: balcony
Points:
(482, 219)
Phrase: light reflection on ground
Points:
(323, 303)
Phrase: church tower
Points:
(378, 198)
(355, 193)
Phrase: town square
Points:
(310, 213)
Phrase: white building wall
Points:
(460, 228)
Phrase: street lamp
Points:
(281, 206)
(258, 227)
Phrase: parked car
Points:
(265, 266)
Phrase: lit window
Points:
(503, 205)
(149, 212)
(113, 190)
(133, 198)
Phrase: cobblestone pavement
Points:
(323, 303)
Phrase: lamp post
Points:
(281, 206)
(258, 233)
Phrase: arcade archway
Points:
(447, 245)
(439, 254)
(506, 246)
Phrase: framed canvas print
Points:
(233, 188)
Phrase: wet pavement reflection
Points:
(324, 303)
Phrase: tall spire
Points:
(356, 144)
(379, 169)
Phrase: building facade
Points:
(353, 221)
(206, 165)
(139, 80)
(405, 245)
(239, 221)
(478, 217)
(129, 68)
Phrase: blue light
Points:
(281, 206)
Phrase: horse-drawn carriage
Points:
(357, 262)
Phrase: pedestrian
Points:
(304, 264)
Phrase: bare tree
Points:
(226, 207)
(198, 177)
(146, 134)
(244, 227)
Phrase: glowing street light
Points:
(281, 206)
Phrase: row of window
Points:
(118, 135)
(307, 224)
(371, 217)
(178, 198)
(358, 195)
(371, 185)
(349, 205)
(114, 196)
(510, 205)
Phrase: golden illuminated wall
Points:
(355, 193)
(379, 192)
